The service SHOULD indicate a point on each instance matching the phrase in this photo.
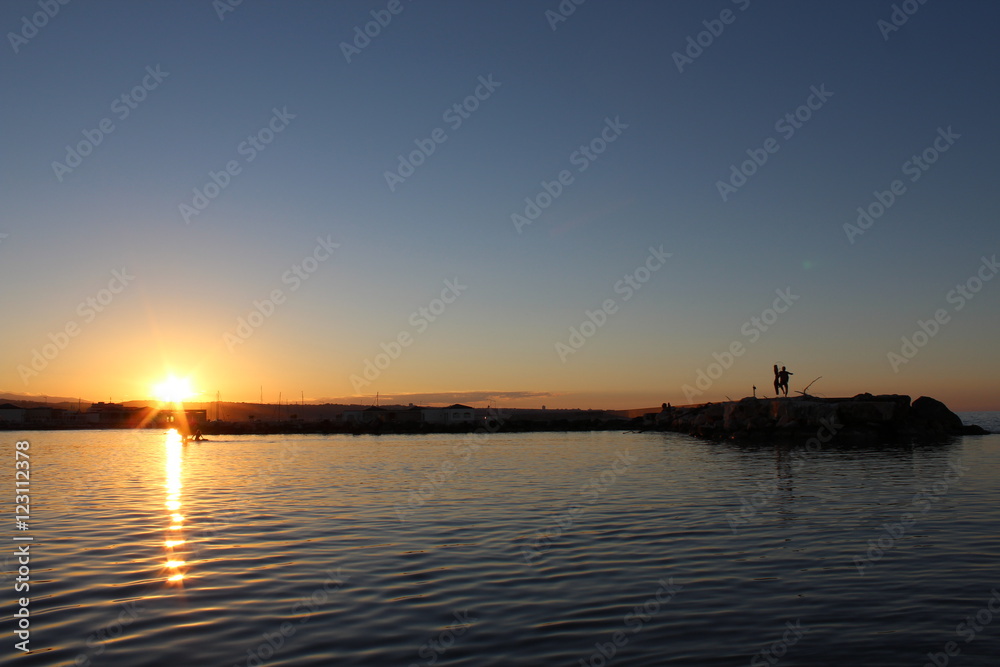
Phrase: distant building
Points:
(116, 415)
(44, 416)
(178, 418)
(12, 414)
(414, 414)
(370, 415)
(411, 414)
(453, 414)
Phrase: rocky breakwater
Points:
(864, 418)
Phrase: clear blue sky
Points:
(323, 176)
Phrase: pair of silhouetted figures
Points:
(781, 380)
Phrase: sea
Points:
(592, 549)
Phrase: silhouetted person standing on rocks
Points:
(777, 381)
(783, 379)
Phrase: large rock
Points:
(813, 414)
(710, 418)
(876, 418)
(868, 410)
(746, 415)
(932, 417)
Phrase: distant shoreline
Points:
(861, 418)
(332, 428)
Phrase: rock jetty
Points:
(865, 418)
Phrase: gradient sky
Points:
(323, 176)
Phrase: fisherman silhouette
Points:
(783, 379)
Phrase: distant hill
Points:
(238, 412)
(39, 399)
(235, 412)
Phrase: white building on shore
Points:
(453, 414)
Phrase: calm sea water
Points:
(538, 549)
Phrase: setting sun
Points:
(173, 390)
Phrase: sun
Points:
(173, 390)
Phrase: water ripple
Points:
(310, 550)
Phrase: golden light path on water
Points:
(174, 537)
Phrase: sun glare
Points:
(173, 390)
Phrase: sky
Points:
(595, 205)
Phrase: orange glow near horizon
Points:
(601, 383)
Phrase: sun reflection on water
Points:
(175, 466)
